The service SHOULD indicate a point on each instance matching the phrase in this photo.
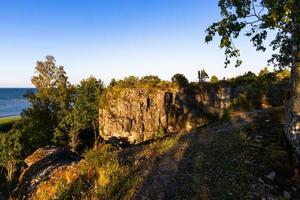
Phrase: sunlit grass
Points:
(7, 123)
(6, 120)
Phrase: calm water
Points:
(12, 101)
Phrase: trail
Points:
(211, 163)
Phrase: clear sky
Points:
(113, 39)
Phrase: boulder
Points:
(41, 164)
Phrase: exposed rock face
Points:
(41, 166)
(136, 115)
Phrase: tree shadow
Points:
(216, 162)
(162, 181)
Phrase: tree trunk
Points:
(292, 115)
(96, 136)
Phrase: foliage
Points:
(76, 190)
(150, 79)
(214, 79)
(160, 133)
(49, 104)
(82, 121)
(253, 91)
(11, 150)
(109, 173)
(256, 18)
(180, 79)
(113, 82)
(263, 72)
(102, 172)
(116, 87)
(132, 81)
(129, 81)
(283, 74)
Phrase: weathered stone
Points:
(41, 164)
(136, 115)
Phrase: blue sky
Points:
(113, 39)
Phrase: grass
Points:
(7, 123)
(9, 119)
(106, 173)
(122, 87)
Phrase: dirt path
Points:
(181, 168)
(216, 162)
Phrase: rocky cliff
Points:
(135, 115)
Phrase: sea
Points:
(12, 101)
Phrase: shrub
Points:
(180, 79)
(214, 79)
(150, 79)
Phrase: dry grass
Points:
(105, 173)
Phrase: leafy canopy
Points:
(214, 79)
(180, 79)
(255, 19)
(83, 118)
(49, 104)
(11, 152)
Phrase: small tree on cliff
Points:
(202, 76)
(255, 18)
(150, 79)
(180, 79)
(214, 79)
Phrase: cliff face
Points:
(136, 115)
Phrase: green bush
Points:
(180, 79)
(214, 79)
(150, 79)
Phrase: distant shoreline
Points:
(13, 101)
(9, 116)
(18, 88)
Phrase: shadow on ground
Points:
(224, 161)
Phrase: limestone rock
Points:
(41, 164)
(135, 115)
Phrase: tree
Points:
(202, 76)
(113, 82)
(10, 153)
(180, 79)
(83, 120)
(263, 72)
(255, 18)
(214, 79)
(49, 104)
(150, 79)
(283, 74)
